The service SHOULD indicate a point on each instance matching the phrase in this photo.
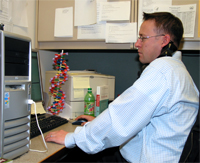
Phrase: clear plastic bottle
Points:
(89, 103)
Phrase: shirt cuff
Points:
(69, 138)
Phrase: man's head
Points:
(156, 31)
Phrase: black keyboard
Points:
(47, 122)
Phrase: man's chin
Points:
(143, 62)
(141, 59)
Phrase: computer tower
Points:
(15, 90)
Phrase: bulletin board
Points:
(46, 20)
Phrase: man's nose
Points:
(138, 43)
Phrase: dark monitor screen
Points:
(16, 57)
(36, 79)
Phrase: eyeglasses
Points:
(142, 38)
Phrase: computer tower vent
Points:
(16, 137)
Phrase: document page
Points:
(121, 32)
(187, 14)
(5, 16)
(79, 84)
(112, 11)
(39, 108)
(85, 12)
(94, 31)
(19, 10)
(63, 26)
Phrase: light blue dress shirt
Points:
(150, 121)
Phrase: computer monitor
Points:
(36, 78)
(17, 60)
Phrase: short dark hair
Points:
(167, 23)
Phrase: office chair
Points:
(191, 149)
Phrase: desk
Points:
(37, 143)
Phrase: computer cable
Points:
(34, 150)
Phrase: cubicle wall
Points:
(41, 18)
(46, 21)
(123, 64)
(118, 59)
(46, 39)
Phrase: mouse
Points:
(79, 121)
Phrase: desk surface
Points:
(37, 143)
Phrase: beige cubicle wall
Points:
(45, 34)
(45, 19)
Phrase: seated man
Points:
(150, 121)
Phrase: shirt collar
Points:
(177, 55)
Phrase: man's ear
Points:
(166, 40)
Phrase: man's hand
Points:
(88, 117)
(56, 136)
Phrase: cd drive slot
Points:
(15, 87)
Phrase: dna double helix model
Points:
(56, 83)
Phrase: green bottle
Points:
(89, 103)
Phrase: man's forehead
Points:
(147, 27)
